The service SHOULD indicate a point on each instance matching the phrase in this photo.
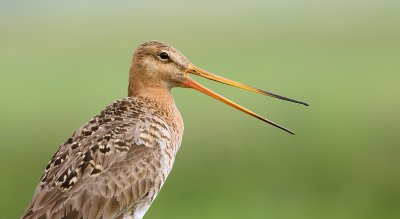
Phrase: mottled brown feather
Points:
(118, 162)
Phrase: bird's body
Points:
(115, 165)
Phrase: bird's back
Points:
(115, 163)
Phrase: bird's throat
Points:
(160, 94)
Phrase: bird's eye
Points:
(164, 55)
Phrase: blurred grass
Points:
(63, 62)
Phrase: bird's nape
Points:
(192, 69)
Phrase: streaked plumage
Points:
(117, 161)
(115, 165)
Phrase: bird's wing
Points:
(81, 172)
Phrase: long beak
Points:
(200, 72)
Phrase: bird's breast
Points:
(160, 127)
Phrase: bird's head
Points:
(159, 65)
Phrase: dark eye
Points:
(164, 55)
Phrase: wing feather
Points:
(89, 165)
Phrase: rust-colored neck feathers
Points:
(144, 82)
(148, 86)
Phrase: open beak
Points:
(200, 72)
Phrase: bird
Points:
(115, 165)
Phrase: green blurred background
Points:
(62, 62)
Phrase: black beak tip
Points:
(292, 133)
(287, 130)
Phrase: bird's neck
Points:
(162, 101)
(158, 92)
(161, 95)
(148, 86)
